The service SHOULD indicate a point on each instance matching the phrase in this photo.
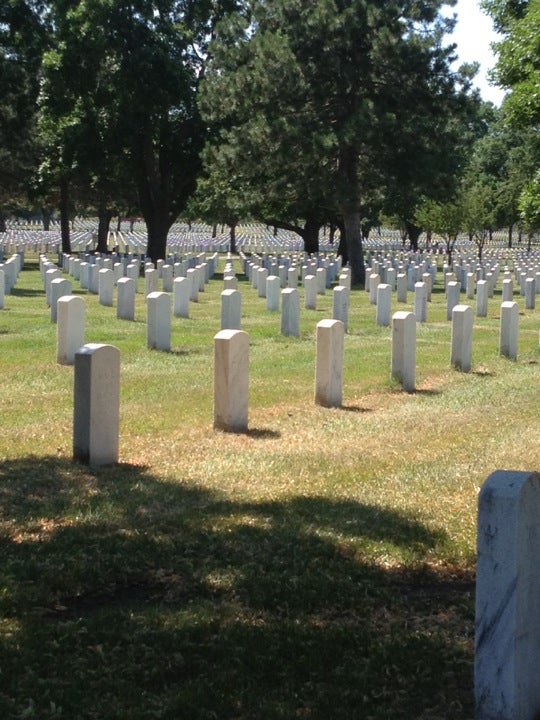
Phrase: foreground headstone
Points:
(530, 293)
(151, 277)
(507, 636)
(59, 288)
(290, 312)
(507, 290)
(167, 277)
(105, 287)
(329, 363)
(384, 304)
(452, 297)
(273, 291)
(231, 380)
(462, 327)
(96, 416)
(158, 326)
(126, 291)
(231, 310)
(340, 305)
(181, 296)
(70, 328)
(404, 349)
(193, 277)
(402, 288)
(310, 292)
(482, 298)
(508, 336)
(420, 302)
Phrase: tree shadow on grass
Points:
(128, 596)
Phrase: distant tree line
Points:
(335, 113)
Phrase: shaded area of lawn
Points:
(126, 596)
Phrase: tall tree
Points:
(321, 97)
(518, 70)
(22, 39)
(518, 63)
(128, 76)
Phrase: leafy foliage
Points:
(107, 58)
(22, 40)
(333, 109)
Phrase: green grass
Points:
(319, 566)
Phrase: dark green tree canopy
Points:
(22, 41)
(322, 107)
(119, 100)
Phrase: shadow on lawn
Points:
(126, 596)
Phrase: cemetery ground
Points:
(320, 565)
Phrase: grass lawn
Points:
(320, 566)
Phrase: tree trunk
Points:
(46, 215)
(332, 234)
(119, 224)
(233, 237)
(414, 232)
(342, 251)
(104, 221)
(154, 186)
(351, 212)
(311, 236)
(353, 237)
(64, 215)
(510, 236)
(158, 228)
(3, 227)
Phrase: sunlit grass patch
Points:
(323, 559)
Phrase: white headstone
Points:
(59, 288)
(230, 282)
(321, 280)
(273, 291)
(404, 349)
(292, 277)
(70, 328)
(158, 325)
(181, 296)
(507, 290)
(402, 288)
(231, 310)
(106, 285)
(290, 312)
(167, 277)
(530, 293)
(193, 277)
(96, 416)
(462, 328)
(262, 275)
(231, 380)
(340, 307)
(151, 277)
(374, 282)
(507, 628)
(482, 298)
(452, 297)
(310, 292)
(127, 289)
(420, 302)
(329, 363)
(508, 337)
(384, 304)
